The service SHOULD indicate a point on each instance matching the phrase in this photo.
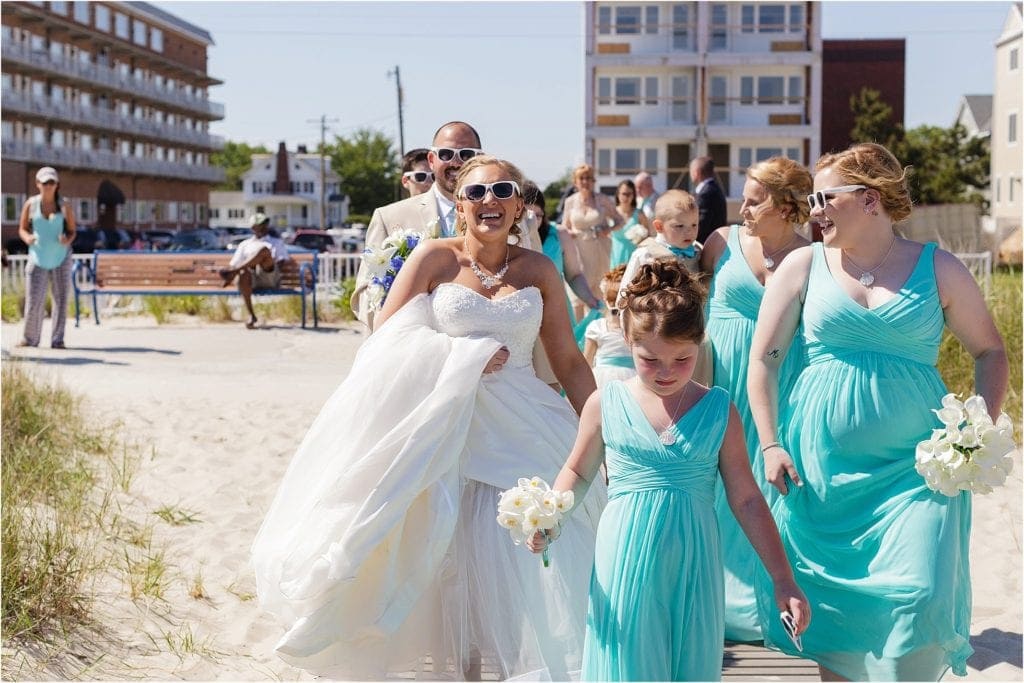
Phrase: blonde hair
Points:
(665, 300)
(673, 202)
(787, 183)
(486, 160)
(580, 170)
(875, 167)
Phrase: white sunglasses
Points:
(419, 176)
(817, 200)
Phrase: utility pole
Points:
(401, 127)
(323, 121)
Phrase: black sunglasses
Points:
(448, 153)
(503, 189)
(418, 176)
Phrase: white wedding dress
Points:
(381, 553)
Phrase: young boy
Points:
(676, 219)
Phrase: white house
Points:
(287, 187)
(1006, 207)
(667, 82)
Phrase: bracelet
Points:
(773, 444)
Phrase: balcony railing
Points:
(108, 119)
(756, 112)
(105, 160)
(672, 38)
(104, 76)
(651, 112)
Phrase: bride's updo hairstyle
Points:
(874, 166)
(664, 300)
(486, 160)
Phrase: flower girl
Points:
(656, 596)
(604, 346)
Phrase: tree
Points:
(947, 165)
(557, 186)
(368, 165)
(235, 159)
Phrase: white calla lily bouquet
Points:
(636, 233)
(530, 507)
(970, 452)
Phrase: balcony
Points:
(106, 77)
(108, 119)
(743, 112)
(104, 160)
(645, 112)
(612, 43)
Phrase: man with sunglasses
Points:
(432, 212)
(417, 177)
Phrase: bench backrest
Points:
(179, 269)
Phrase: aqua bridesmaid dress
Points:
(733, 303)
(622, 246)
(882, 558)
(656, 590)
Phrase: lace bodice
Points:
(513, 319)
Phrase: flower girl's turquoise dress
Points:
(883, 559)
(656, 592)
(733, 304)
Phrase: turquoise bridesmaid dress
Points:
(882, 559)
(622, 246)
(733, 303)
(656, 590)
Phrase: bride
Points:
(381, 547)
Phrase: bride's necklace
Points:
(488, 281)
(667, 435)
(769, 259)
(867, 277)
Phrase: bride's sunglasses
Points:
(446, 154)
(503, 189)
(418, 176)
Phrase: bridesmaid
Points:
(883, 559)
(625, 205)
(743, 258)
(588, 217)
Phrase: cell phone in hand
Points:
(789, 625)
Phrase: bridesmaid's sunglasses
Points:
(819, 198)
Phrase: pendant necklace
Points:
(867, 277)
(667, 435)
(769, 259)
(488, 281)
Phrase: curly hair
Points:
(487, 160)
(666, 300)
(787, 183)
(874, 166)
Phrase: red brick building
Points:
(848, 66)
(108, 91)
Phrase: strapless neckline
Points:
(487, 298)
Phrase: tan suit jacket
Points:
(414, 213)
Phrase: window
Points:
(10, 208)
(796, 18)
(719, 26)
(680, 27)
(138, 32)
(81, 12)
(749, 156)
(771, 18)
(747, 90)
(627, 161)
(651, 160)
(651, 90)
(121, 25)
(770, 90)
(627, 20)
(604, 161)
(84, 212)
(604, 20)
(1009, 189)
(681, 99)
(1012, 133)
(998, 185)
(1014, 58)
(747, 19)
(627, 91)
(651, 19)
(59, 8)
(796, 90)
(717, 112)
(101, 18)
(794, 154)
(604, 90)
(156, 39)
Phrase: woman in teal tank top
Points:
(742, 258)
(47, 226)
(655, 610)
(882, 558)
(625, 204)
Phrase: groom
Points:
(454, 143)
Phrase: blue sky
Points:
(512, 69)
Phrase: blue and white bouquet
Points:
(384, 262)
(970, 452)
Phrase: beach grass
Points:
(957, 366)
(51, 515)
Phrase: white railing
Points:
(980, 265)
(333, 268)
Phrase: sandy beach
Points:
(215, 412)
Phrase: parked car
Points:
(199, 239)
(349, 240)
(157, 239)
(316, 240)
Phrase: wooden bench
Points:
(178, 273)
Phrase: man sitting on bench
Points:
(256, 263)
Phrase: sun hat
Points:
(258, 219)
(47, 173)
